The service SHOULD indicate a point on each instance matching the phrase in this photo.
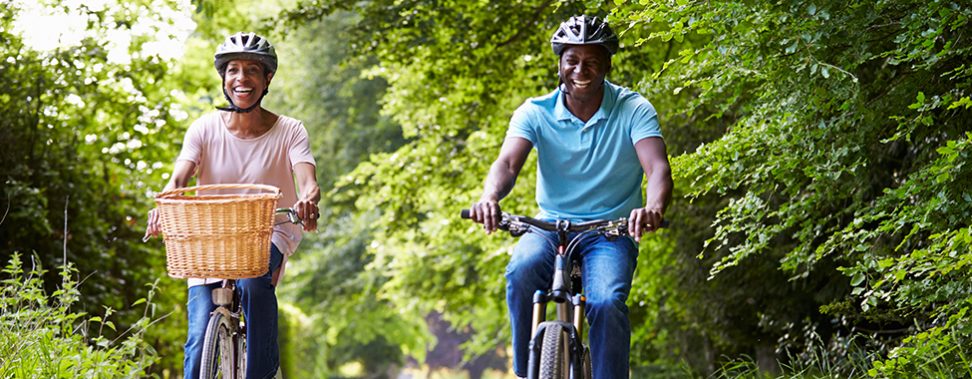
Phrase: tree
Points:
(85, 124)
(825, 140)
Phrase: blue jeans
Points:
(607, 269)
(260, 310)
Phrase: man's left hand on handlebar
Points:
(644, 220)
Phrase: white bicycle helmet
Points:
(245, 46)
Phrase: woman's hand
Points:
(308, 212)
(153, 227)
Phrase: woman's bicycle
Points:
(224, 346)
(557, 349)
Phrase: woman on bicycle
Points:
(245, 143)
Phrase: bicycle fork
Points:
(570, 315)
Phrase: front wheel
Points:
(220, 351)
(554, 362)
(588, 372)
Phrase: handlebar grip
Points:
(465, 214)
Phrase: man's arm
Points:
(654, 160)
(499, 182)
(309, 196)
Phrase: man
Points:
(595, 140)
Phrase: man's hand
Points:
(487, 212)
(644, 220)
(308, 211)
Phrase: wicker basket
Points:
(217, 236)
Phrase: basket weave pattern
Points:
(217, 236)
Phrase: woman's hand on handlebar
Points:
(308, 212)
(487, 212)
(644, 220)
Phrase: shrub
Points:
(41, 337)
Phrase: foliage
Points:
(86, 127)
(43, 336)
(826, 140)
(845, 150)
(820, 224)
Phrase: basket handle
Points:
(210, 187)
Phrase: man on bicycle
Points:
(595, 140)
(245, 143)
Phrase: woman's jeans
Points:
(607, 268)
(260, 310)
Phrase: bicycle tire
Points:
(554, 363)
(588, 370)
(220, 352)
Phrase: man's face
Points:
(583, 68)
(245, 81)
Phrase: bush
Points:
(41, 337)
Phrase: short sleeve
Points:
(193, 142)
(644, 120)
(521, 125)
(300, 151)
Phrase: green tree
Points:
(85, 125)
(819, 157)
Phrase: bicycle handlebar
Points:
(508, 221)
(291, 216)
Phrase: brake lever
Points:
(616, 229)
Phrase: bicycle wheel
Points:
(588, 371)
(554, 363)
(220, 354)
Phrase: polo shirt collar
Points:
(607, 103)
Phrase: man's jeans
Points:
(260, 310)
(607, 268)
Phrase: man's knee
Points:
(606, 304)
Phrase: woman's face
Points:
(245, 81)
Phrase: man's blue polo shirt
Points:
(590, 170)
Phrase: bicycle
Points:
(557, 349)
(224, 346)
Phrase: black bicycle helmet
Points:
(245, 46)
(584, 30)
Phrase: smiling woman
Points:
(243, 143)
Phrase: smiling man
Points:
(596, 143)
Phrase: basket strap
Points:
(209, 187)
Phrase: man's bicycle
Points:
(557, 349)
(224, 346)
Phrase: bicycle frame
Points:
(566, 289)
(228, 315)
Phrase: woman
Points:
(245, 143)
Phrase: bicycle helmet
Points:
(245, 46)
(584, 30)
